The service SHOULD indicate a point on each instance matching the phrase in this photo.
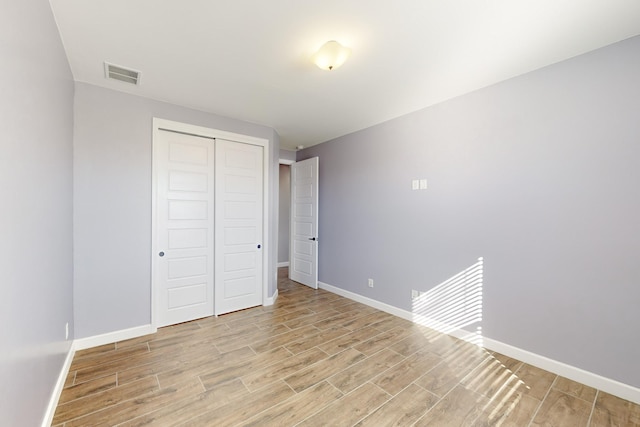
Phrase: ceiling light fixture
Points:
(331, 55)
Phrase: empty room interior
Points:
(320, 213)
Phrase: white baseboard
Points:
(271, 300)
(81, 344)
(57, 390)
(596, 381)
(368, 301)
(283, 264)
(111, 337)
(599, 382)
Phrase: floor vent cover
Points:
(123, 74)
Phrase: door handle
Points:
(161, 254)
(313, 238)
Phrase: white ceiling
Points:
(249, 59)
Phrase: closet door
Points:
(184, 170)
(238, 226)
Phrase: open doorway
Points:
(298, 220)
(284, 214)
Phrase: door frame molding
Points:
(160, 125)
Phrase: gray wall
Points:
(287, 155)
(284, 213)
(539, 175)
(112, 209)
(36, 128)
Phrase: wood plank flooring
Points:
(317, 359)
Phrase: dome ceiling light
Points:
(331, 55)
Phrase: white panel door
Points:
(239, 212)
(184, 168)
(303, 267)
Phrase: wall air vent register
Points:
(122, 74)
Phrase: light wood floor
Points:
(317, 359)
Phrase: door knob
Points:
(259, 246)
(313, 238)
(161, 253)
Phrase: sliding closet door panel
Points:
(184, 168)
(238, 219)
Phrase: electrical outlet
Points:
(66, 331)
(414, 294)
(370, 283)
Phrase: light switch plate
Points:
(415, 184)
(423, 184)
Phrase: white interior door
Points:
(303, 266)
(239, 220)
(184, 170)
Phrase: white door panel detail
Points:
(239, 210)
(188, 153)
(242, 261)
(187, 181)
(239, 288)
(187, 238)
(182, 268)
(240, 236)
(187, 296)
(188, 209)
(240, 184)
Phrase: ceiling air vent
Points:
(123, 74)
